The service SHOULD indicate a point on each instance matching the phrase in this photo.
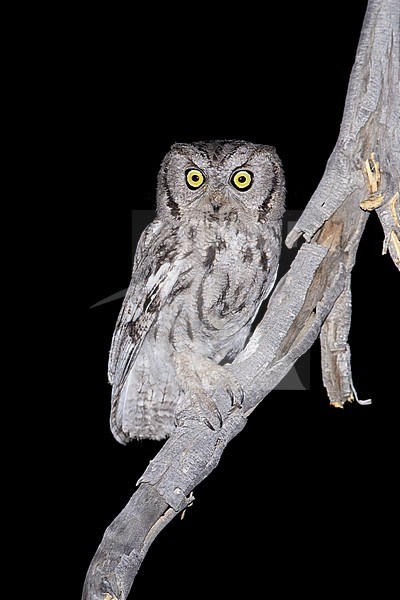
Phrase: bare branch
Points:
(313, 298)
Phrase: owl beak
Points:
(216, 205)
(217, 201)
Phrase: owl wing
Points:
(152, 277)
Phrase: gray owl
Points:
(201, 270)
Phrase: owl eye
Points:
(242, 180)
(194, 178)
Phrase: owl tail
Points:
(145, 407)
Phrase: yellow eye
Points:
(242, 180)
(194, 178)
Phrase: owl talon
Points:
(217, 414)
(231, 395)
(241, 399)
(207, 422)
(236, 398)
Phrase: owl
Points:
(201, 270)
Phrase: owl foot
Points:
(200, 377)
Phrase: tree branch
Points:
(312, 299)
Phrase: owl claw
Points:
(219, 417)
(241, 397)
(207, 422)
(231, 395)
(236, 399)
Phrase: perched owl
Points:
(200, 273)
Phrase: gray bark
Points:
(313, 299)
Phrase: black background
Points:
(300, 499)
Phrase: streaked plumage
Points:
(200, 273)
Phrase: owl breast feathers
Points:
(200, 273)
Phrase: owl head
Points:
(221, 180)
